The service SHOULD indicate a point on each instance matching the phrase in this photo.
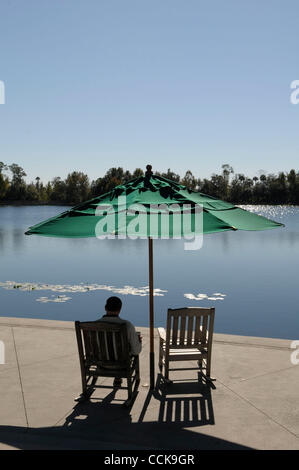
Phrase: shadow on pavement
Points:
(183, 403)
(184, 408)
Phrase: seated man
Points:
(113, 308)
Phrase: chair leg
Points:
(137, 375)
(208, 368)
(209, 378)
(87, 391)
(166, 372)
(132, 392)
(160, 356)
(135, 389)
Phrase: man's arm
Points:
(135, 343)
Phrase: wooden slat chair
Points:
(104, 352)
(188, 337)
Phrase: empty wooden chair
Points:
(104, 352)
(188, 337)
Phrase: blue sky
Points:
(92, 84)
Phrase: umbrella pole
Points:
(151, 313)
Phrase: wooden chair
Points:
(104, 352)
(188, 337)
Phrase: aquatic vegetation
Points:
(62, 289)
(60, 299)
(77, 288)
(215, 296)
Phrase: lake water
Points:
(251, 278)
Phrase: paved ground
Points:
(255, 402)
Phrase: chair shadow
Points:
(104, 412)
(184, 403)
(106, 424)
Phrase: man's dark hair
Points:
(113, 304)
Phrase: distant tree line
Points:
(77, 187)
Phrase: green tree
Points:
(241, 189)
(137, 173)
(293, 186)
(2, 167)
(189, 180)
(263, 178)
(4, 186)
(4, 182)
(77, 187)
(218, 186)
(48, 191)
(113, 177)
(227, 170)
(32, 193)
(58, 193)
(17, 188)
(170, 175)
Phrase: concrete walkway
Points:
(255, 402)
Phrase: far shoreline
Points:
(35, 203)
(72, 204)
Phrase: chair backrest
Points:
(102, 344)
(190, 327)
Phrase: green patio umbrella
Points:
(150, 207)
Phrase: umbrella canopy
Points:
(136, 209)
(147, 192)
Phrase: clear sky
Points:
(185, 84)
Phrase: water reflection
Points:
(2, 239)
(17, 239)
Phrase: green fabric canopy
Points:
(149, 191)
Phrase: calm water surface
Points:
(256, 274)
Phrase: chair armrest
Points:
(162, 334)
